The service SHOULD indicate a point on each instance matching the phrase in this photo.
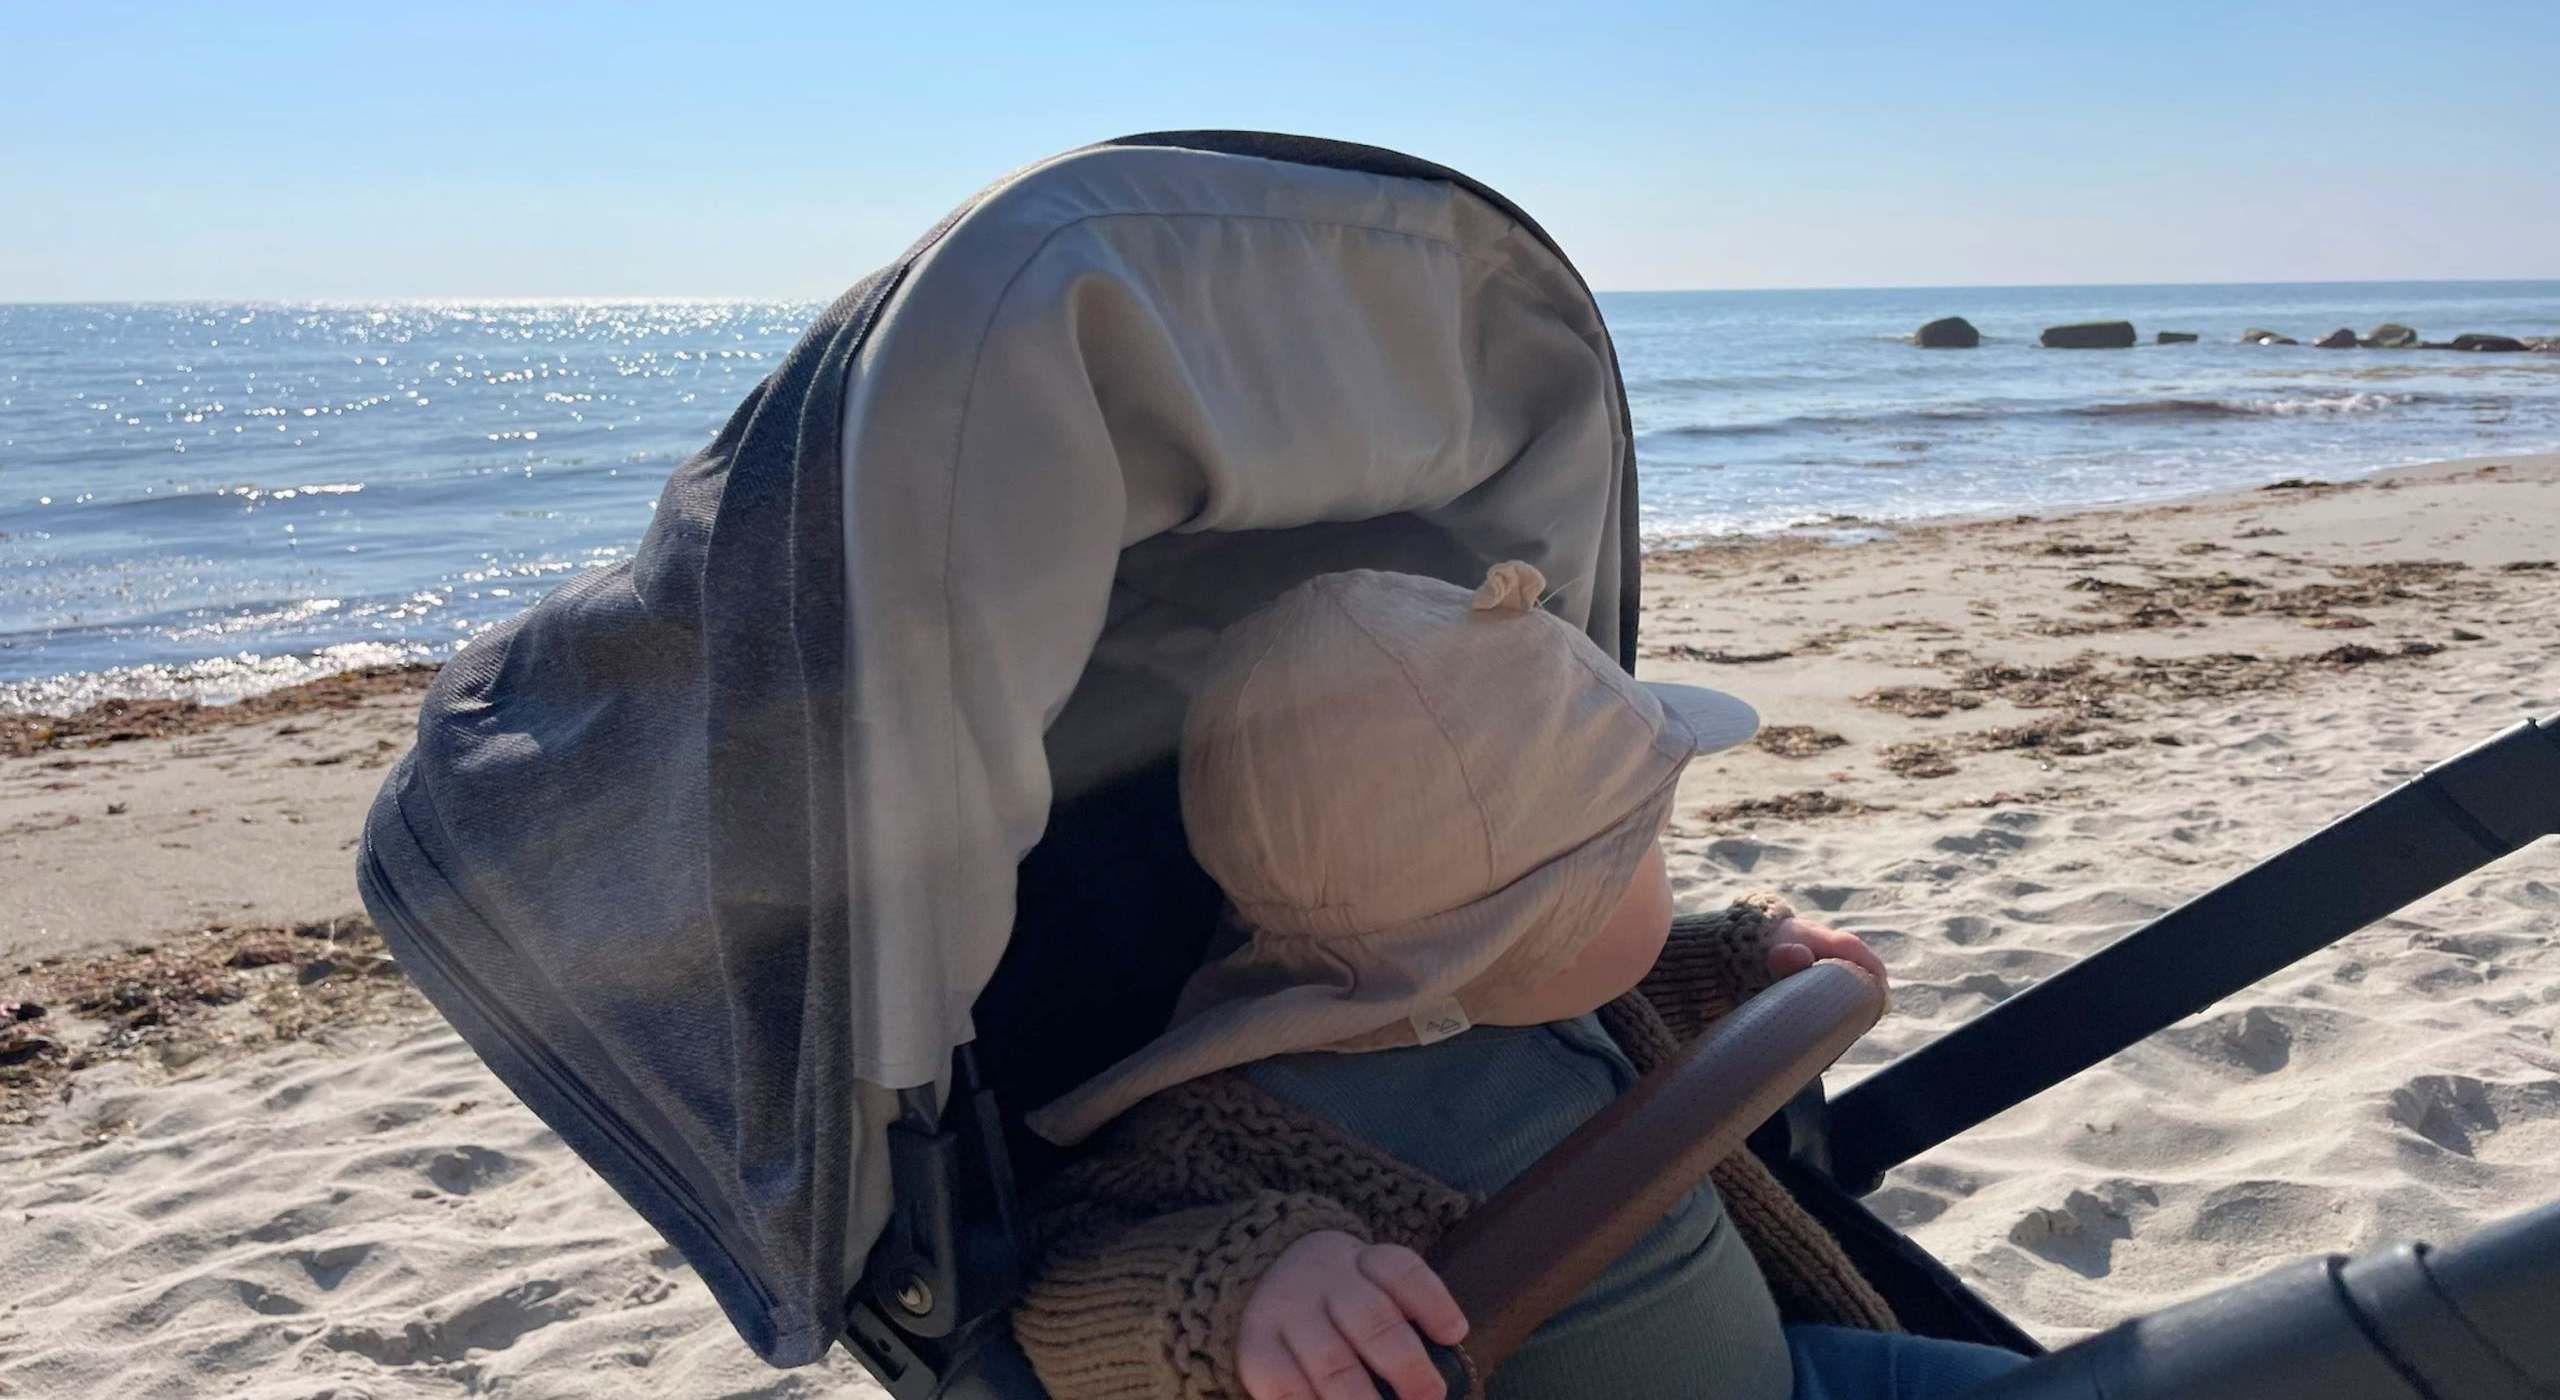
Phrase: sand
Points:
(2403, 1083)
(237, 813)
(250, 1161)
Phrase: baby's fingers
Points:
(1387, 1344)
(1788, 959)
(1267, 1369)
(1328, 1360)
(1418, 1291)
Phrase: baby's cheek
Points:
(1621, 960)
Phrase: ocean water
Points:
(216, 499)
(1757, 410)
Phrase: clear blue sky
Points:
(343, 150)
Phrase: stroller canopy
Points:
(713, 850)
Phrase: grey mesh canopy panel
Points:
(712, 850)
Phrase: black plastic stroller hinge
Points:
(953, 1252)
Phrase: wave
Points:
(1825, 422)
(215, 680)
(408, 489)
(2152, 409)
(2274, 406)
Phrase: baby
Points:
(1436, 817)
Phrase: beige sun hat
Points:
(1412, 795)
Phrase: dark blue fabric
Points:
(613, 858)
(1844, 1363)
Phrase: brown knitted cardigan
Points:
(1155, 1238)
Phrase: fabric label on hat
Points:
(1433, 1024)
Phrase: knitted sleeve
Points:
(1713, 963)
(1150, 1307)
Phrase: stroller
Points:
(782, 866)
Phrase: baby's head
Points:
(1459, 788)
(1429, 808)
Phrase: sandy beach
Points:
(239, 1156)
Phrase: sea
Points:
(210, 500)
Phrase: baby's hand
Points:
(1332, 1310)
(1801, 943)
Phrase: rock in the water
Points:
(1947, 333)
(2254, 336)
(2177, 337)
(2391, 335)
(2547, 344)
(2487, 342)
(2339, 339)
(2090, 335)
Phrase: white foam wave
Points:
(212, 681)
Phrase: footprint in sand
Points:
(2081, 1234)
(2459, 1113)
(2258, 1039)
(1834, 899)
(1743, 854)
(327, 1268)
(1987, 840)
(2528, 894)
(1966, 930)
(493, 1323)
(2440, 977)
(463, 1170)
(2249, 1214)
(204, 1291)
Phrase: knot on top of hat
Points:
(1510, 586)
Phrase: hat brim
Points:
(1713, 719)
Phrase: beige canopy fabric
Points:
(1122, 360)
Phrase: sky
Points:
(781, 149)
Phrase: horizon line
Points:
(537, 299)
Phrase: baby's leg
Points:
(1846, 1363)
